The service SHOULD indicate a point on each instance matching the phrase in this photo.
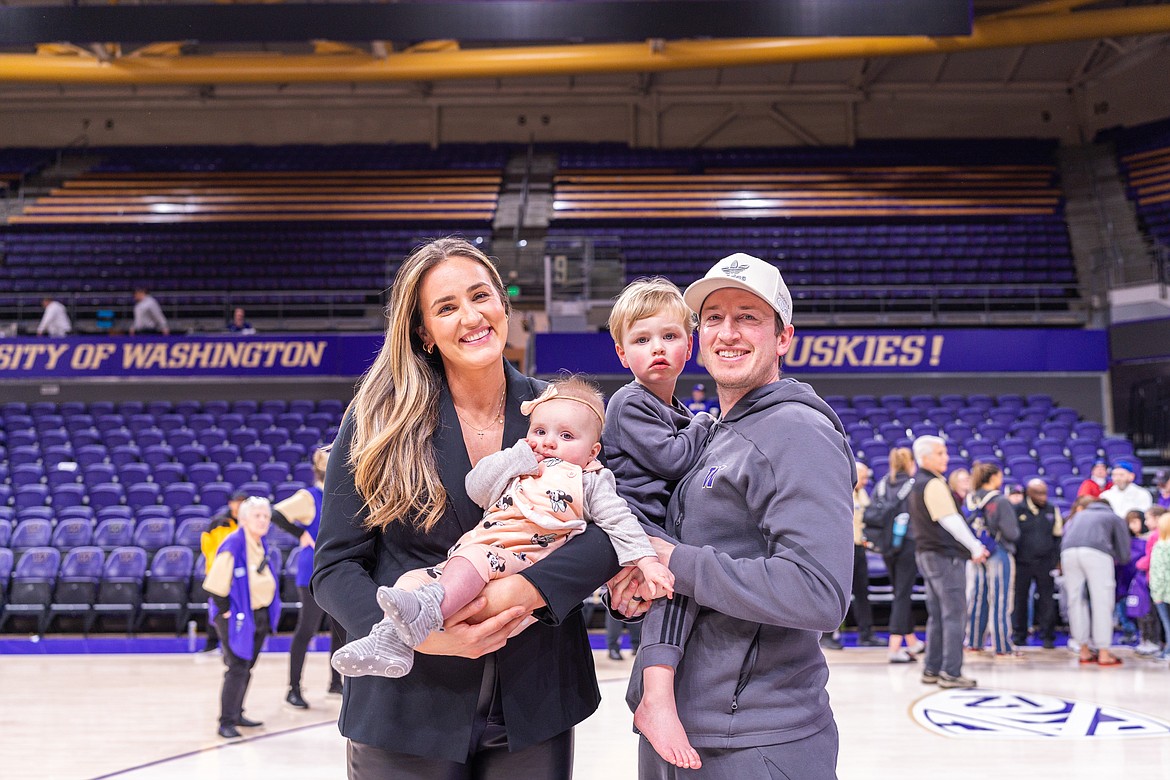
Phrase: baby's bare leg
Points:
(657, 719)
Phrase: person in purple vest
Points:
(246, 600)
(300, 515)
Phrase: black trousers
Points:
(903, 572)
(308, 624)
(1028, 572)
(239, 670)
(862, 613)
(489, 760)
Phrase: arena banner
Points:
(873, 352)
(283, 355)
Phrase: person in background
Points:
(945, 544)
(246, 595)
(1125, 493)
(862, 611)
(1097, 481)
(239, 324)
(1037, 554)
(701, 403)
(1152, 640)
(992, 594)
(217, 530)
(614, 629)
(1094, 540)
(903, 644)
(1014, 493)
(300, 515)
(1160, 577)
(1124, 573)
(1162, 488)
(55, 321)
(959, 482)
(148, 316)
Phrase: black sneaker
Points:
(870, 641)
(248, 723)
(335, 688)
(1049, 644)
(829, 642)
(947, 681)
(229, 732)
(930, 678)
(295, 699)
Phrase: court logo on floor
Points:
(977, 714)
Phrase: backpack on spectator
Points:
(978, 521)
(880, 514)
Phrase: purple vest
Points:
(241, 622)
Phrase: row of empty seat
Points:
(127, 585)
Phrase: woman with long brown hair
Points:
(438, 398)
(904, 644)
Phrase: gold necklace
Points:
(497, 419)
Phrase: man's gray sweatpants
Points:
(811, 758)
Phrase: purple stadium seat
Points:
(31, 532)
(179, 494)
(159, 453)
(291, 454)
(168, 473)
(285, 490)
(215, 495)
(309, 437)
(132, 473)
(190, 531)
(120, 591)
(224, 454)
(1116, 448)
(1045, 448)
(72, 494)
(150, 437)
(1011, 447)
(5, 539)
(231, 421)
(30, 495)
(272, 473)
(301, 407)
(237, 473)
(154, 533)
(77, 584)
(325, 419)
(22, 453)
(123, 454)
(274, 406)
(257, 454)
(274, 437)
(202, 473)
(303, 472)
(66, 473)
(113, 532)
(244, 437)
(245, 406)
(200, 422)
(167, 584)
(211, 437)
(256, 488)
(33, 581)
(118, 438)
(1079, 449)
(141, 494)
(180, 438)
(27, 474)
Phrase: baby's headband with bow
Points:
(565, 394)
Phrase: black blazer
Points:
(546, 673)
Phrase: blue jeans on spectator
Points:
(946, 608)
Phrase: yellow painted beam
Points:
(570, 60)
(1045, 7)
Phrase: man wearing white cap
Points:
(765, 546)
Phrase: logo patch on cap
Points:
(736, 270)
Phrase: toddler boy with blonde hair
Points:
(651, 443)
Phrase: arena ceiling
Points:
(1057, 43)
(1018, 53)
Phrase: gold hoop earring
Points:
(429, 348)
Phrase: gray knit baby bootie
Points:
(421, 604)
(380, 654)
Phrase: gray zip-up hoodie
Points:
(765, 521)
(1098, 527)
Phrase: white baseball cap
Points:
(745, 273)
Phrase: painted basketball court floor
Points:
(149, 717)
